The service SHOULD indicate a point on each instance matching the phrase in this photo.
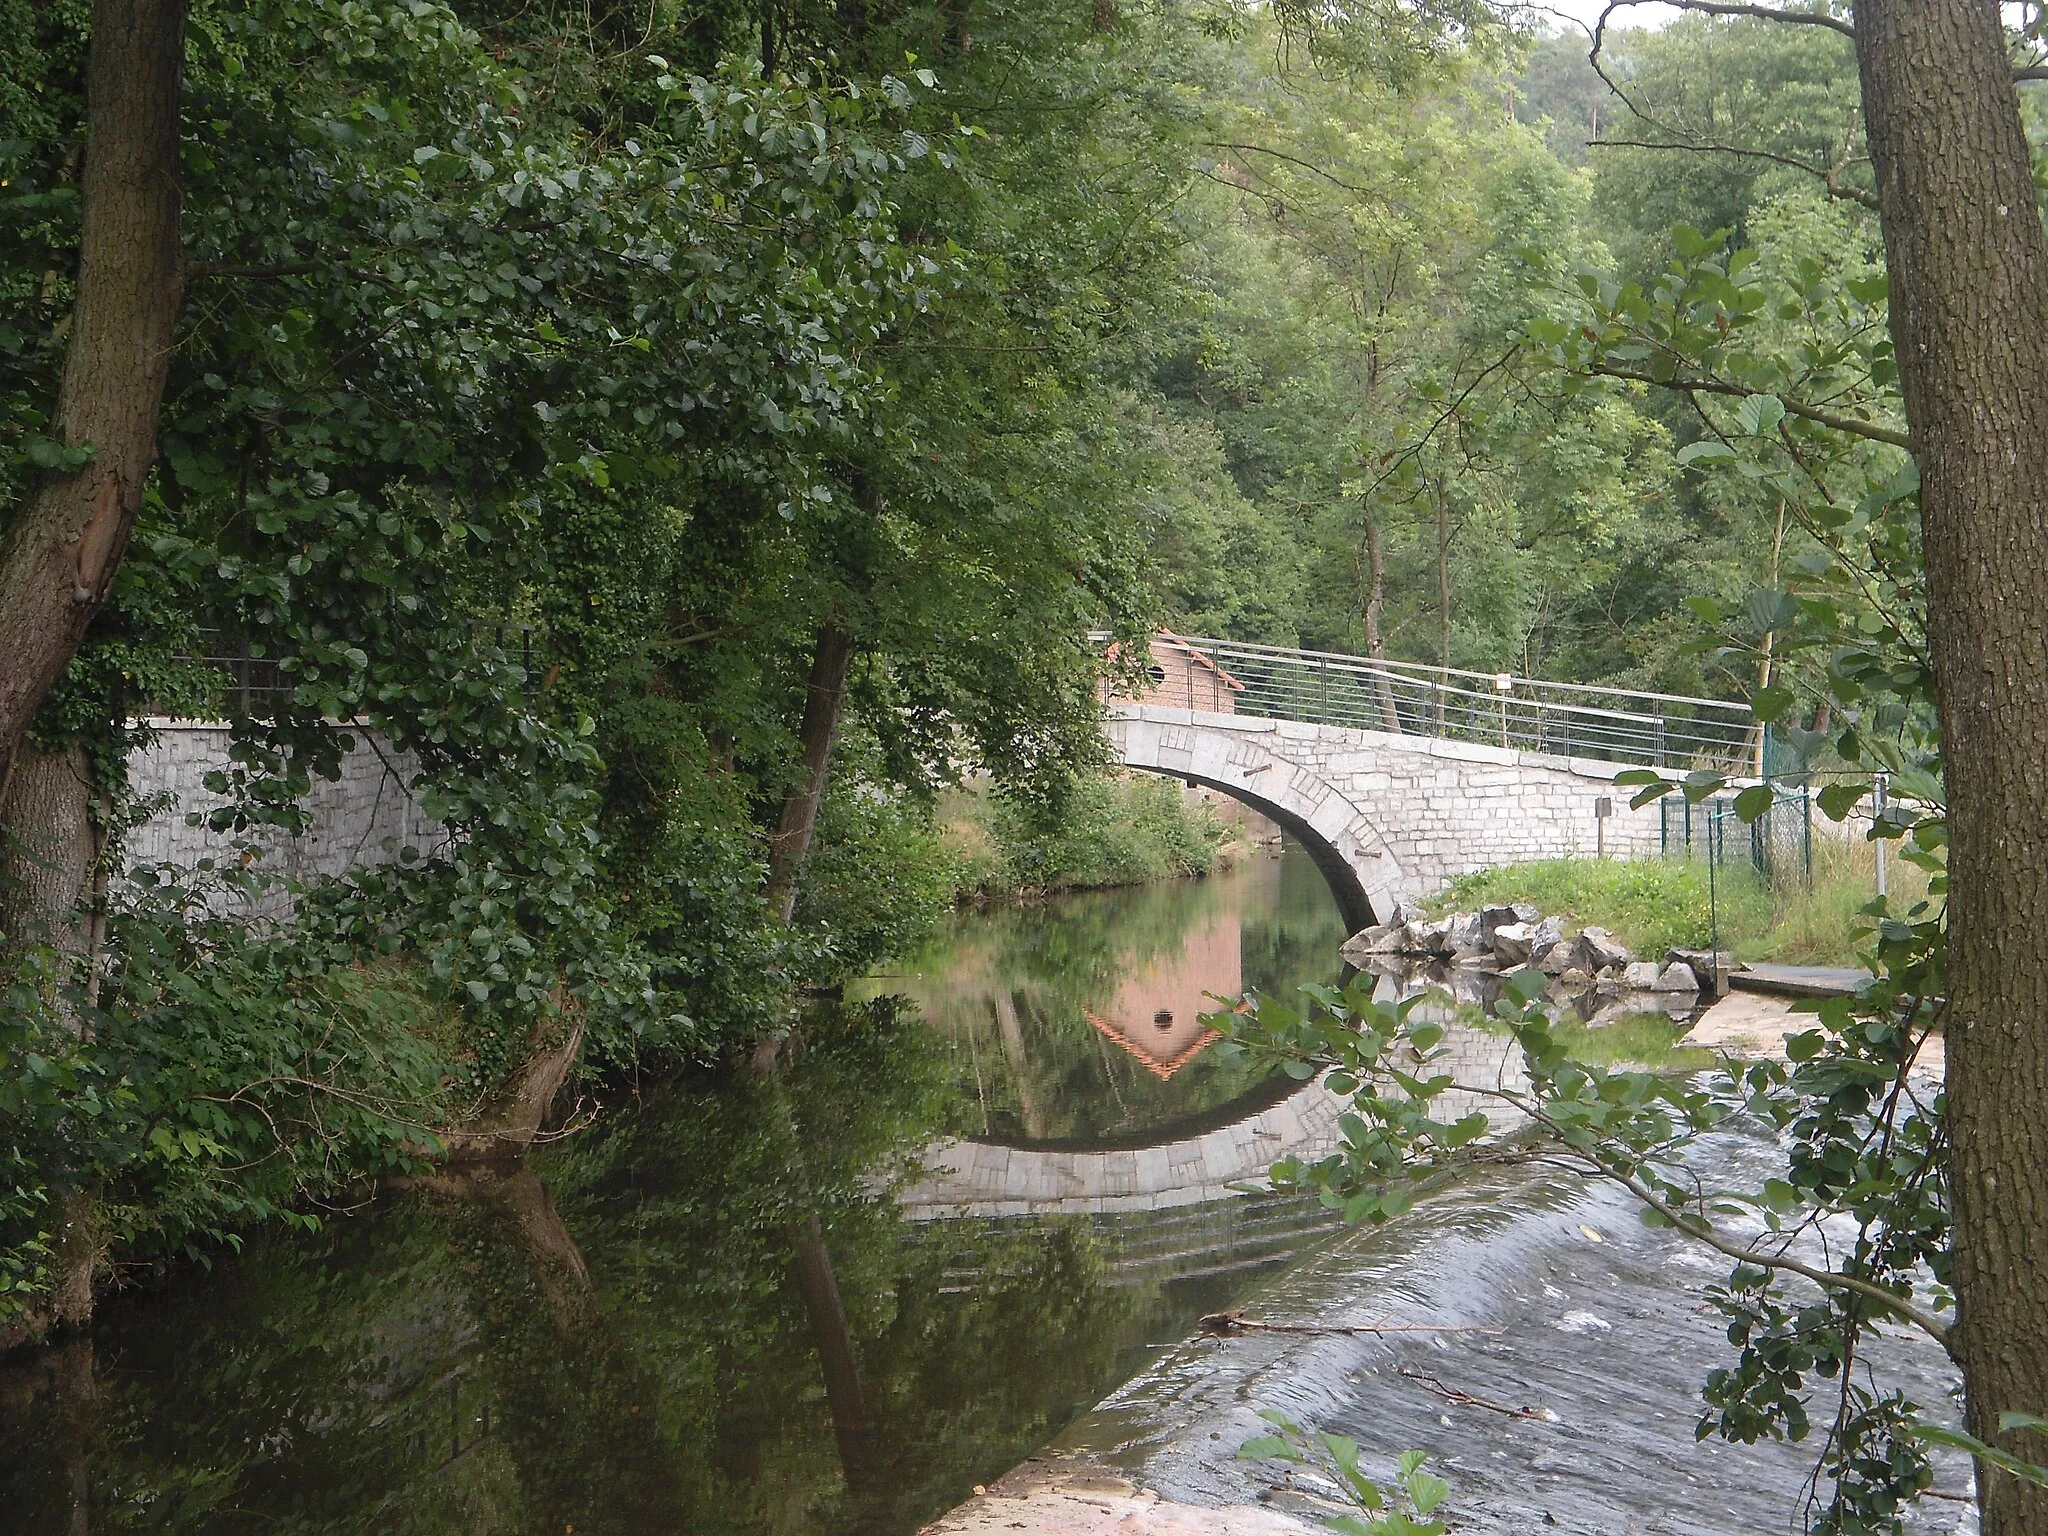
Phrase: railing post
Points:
(1660, 741)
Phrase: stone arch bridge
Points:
(1395, 778)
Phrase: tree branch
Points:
(1829, 175)
(197, 269)
(1876, 431)
(1260, 149)
(1891, 1301)
(1720, 8)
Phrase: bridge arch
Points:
(1246, 762)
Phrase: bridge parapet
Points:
(1552, 719)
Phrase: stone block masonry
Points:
(365, 817)
(1390, 817)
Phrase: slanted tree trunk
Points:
(65, 542)
(1375, 617)
(838, 1358)
(1968, 262)
(823, 695)
(1010, 1029)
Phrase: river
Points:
(726, 1307)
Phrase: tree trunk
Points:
(1443, 594)
(837, 1357)
(1010, 1030)
(823, 696)
(52, 847)
(1375, 618)
(1968, 262)
(65, 542)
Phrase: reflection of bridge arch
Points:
(1206, 1158)
(978, 1178)
(1238, 756)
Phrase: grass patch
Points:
(1655, 904)
(1646, 1040)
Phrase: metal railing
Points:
(259, 686)
(1620, 725)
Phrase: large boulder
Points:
(1466, 934)
(1527, 943)
(1640, 975)
(1493, 919)
(1676, 977)
(1513, 943)
(1373, 943)
(1597, 949)
(1427, 938)
(1710, 968)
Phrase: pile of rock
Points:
(1508, 938)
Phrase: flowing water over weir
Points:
(832, 1303)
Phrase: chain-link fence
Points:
(1778, 845)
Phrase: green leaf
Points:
(2025, 1471)
(1760, 414)
(1771, 701)
(1755, 801)
(1706, 450)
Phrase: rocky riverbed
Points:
(1592, 972)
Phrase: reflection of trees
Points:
(1013, 988)
(1296, 939)
(439, 1364)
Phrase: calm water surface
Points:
(709, 1313)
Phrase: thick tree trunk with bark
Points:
(1968, 262)
(65, 542)
(823, 695)
(52, 847)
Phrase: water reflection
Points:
(1077, 1021)
(708, 1313)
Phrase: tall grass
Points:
(1655, 904)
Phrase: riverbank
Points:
(1115, 830)
(1660, 904)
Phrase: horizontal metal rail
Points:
(1612, 724)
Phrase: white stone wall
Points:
(365, 817)
(1405, 812)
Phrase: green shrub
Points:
(1111, 831)
(225, 1075)
(875, 885)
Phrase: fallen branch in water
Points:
(1223, 1325)
(1467, 1400)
